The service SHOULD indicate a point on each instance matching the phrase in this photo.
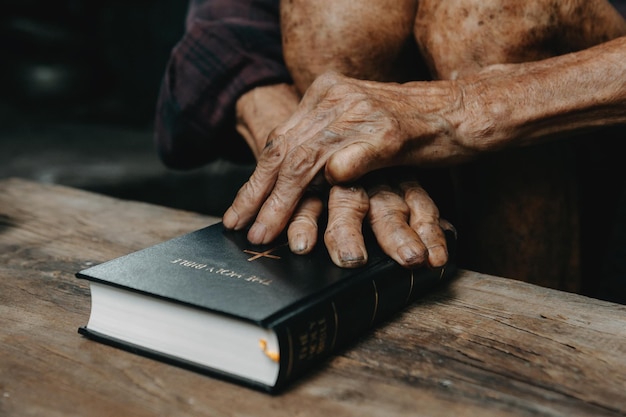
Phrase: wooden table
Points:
(485, 346)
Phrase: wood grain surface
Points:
(484, 346)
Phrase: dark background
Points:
(78, 85)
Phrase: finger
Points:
(312, 141)
(347, 208)
(303, 152)
(294, 177)
(425, 221)
(354, 161)
(389, 218)
(303, 228)
(251, 195)
(447, 226)
(297, 129)
(383, 147)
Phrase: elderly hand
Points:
(345, 128)
(404, 219)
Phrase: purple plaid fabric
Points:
(229, 47)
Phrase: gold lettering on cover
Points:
(265, 254)
(228, 273)
(221, 271)
(189, 264)
(258, 280)
(313, 340)
(304, 346)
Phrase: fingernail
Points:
(437, 256)
(256, 234)
(409, 256)
(352, 257)
(230, 218)
(300, 243)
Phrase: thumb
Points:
(352, 162)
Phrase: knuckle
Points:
(277, 204)
(388, 206)
(422, 206)
(387, 219)
(303, 221)
(424, 217)
(274, 150)
(343, 229)
(339, 90)
(308, 211)
(362, 105)
(300, 161)
(383, 194)
(427, 229)
(327, 79)
(348, 200)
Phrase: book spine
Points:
(320, 328)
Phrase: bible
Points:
(259, 316)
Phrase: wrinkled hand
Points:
(261, 109)
(344, 128)
(404, 219)
(406, 223)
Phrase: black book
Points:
(255, 315)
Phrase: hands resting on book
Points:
(386, 203)
(348, 133)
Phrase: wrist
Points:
(263, 108)
(443, 121)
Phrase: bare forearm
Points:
(522, 104)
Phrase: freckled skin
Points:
(346, 35)
(463, 36)
(520, 208)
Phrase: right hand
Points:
(348, 127)
(404, 219)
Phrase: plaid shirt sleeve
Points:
(228, 48)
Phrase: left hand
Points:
(261, 109)
(403, 217)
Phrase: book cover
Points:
(255, 315)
